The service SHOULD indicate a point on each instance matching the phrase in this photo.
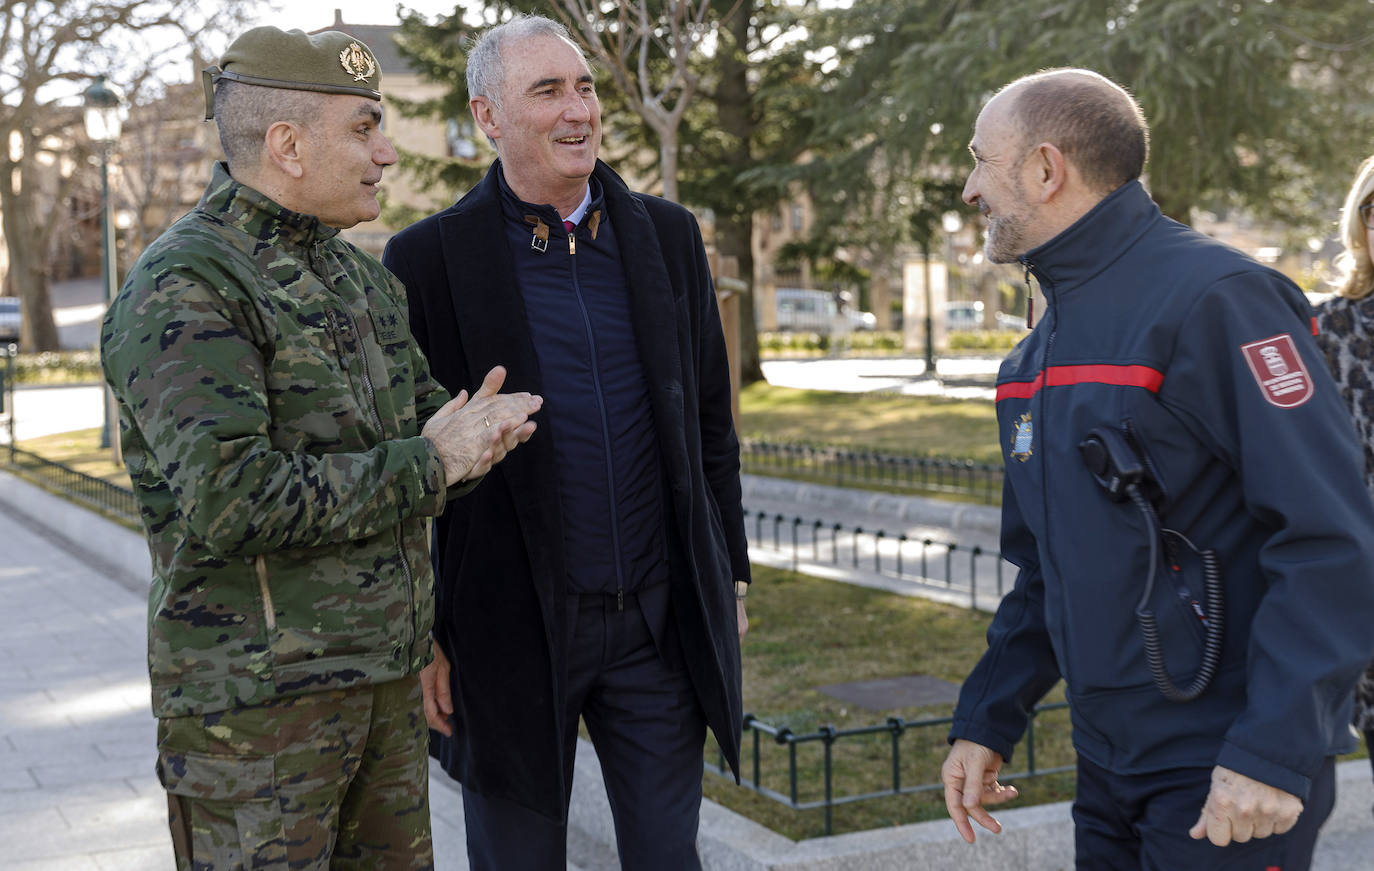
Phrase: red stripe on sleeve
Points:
(1019, 389)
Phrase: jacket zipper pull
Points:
(335, 334)
(1030, 297)
(572, 244)
(620, 599)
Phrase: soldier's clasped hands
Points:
(474, 434)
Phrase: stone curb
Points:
(1036, 838)
(120, 552)
(957, 517)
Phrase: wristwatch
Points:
(741, 589)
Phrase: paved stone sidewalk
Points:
(77, 788)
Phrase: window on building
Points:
(459, 136)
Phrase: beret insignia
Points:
(357, 62)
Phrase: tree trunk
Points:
(25, 241)
(881, 297)
(735, 227)
(667, 160)
(734, 237)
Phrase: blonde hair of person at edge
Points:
(1356, 267)
(1345, 334)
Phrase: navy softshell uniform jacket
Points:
(1205, 359)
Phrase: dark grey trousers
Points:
(649, 732)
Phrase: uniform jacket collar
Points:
(239, 206)
(1094, 241)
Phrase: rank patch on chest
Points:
(387, 324)
(1021, 438)
(1279, 370)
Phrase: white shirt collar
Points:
(577, 213)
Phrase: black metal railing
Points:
(844, 467)
(946, 565)
(90, 491)
(8, 378)
(753, 774)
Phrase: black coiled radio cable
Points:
(1212, 593)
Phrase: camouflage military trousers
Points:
(330, 780)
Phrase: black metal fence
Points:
(90, 491)
(967, 570)
(850, 468)
(829, 736)
(8, 351)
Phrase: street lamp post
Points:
(104, 117)
(930, 311)
(951, 223)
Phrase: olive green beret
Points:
(330, 63)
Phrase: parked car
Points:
(968, 315)
(861, 320)
(11, 319)
(964, 315)
(1010, 322)
(816, 311)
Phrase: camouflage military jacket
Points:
(270, 397)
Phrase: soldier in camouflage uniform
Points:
(287, 446)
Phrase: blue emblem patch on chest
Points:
(1022, 438)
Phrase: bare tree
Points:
(167, 146)
(647, 48)
(49, 51)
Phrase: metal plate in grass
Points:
(890, 693)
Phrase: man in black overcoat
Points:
(601, 572)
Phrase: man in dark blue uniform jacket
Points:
(604, 576)
(1179, 375)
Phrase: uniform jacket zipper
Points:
(381, 428)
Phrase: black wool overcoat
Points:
(500, 588)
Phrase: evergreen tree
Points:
(437, 50)
(758, 85)
(1254, 105)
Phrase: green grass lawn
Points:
(81, 451)
(916, 425)
(962, 429)
(806, 633)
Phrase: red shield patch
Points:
(1279, 370)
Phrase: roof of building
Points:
(381, 38)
